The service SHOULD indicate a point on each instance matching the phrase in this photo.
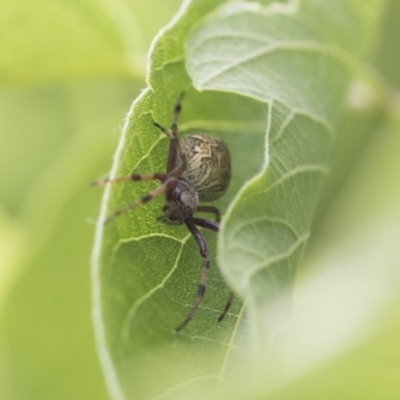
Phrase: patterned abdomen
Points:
(209, 165)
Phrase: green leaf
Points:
(298, 62)
(348, 337)
(271, 81)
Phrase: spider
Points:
(198, 169)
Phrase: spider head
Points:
(181, 203)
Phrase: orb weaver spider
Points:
(198, 169)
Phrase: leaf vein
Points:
(322, 121)
(284, 125)
(231, 347)
(246, 250)
(278, 257)
(226, 344)
(139, 238)
(145, 156)
(132, 310)
(265, 218)
(298, 170)
(232, 35)
(183, 384)
(306, 46)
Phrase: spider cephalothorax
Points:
(198, 169)
(182, 203)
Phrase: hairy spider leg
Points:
(133, 177)
(177, 112)
(174, 146)
(214, 226)
(169, 184)
(212, 210)
(177, 172)
(174, 129)
(205, 223)
(201, 241)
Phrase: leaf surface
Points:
(271, 81)
(297, 61)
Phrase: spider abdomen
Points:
(208, 165)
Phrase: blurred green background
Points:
(69, 72)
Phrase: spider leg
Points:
(201, 241)
(212, 210)
(177, 172)
(177, 112)
(214, 226)
(174, 146)
(205, 223)
(169, 184)
(174, 128)
(227, 306)
(133, 177)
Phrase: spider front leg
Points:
(177, 113)
(133, 177)
(169, 184)
(174, 146)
